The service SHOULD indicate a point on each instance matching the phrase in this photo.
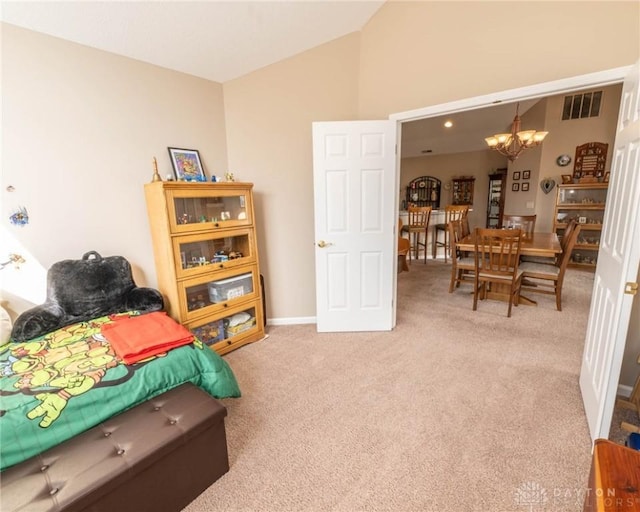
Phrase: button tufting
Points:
(54, 491)
(173, 422)
(120, 451)
(107, 434)
(156, 408)
(45, 467)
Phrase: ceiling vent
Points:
(579, 106)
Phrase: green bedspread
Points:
(65, 382)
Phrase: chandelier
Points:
(514, 143)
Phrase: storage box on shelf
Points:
(584, 202)
(206, 259)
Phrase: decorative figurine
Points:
(20, 217)
(156, 175)
(229, 176)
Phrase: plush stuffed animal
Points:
(80, 290)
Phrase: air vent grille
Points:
(579, 106)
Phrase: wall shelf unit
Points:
(462, 190)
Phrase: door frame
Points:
(554, 88)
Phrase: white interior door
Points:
(618, 260)
(355, 223)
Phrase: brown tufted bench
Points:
(156, 456)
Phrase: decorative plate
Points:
(563, 160)
(422, 184)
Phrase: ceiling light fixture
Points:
(514, 143)
(448, 124)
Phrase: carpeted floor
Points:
(453, 410)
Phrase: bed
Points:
(59, 390)
(56, 386)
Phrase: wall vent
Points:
(578, 106)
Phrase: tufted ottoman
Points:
(157, 456)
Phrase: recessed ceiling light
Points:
(448, 124)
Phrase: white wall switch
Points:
(530, 205)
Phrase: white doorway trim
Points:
(598, 79)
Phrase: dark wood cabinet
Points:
(462, 189)
(495, 201)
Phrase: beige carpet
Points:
(454, 410)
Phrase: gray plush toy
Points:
(80, 290)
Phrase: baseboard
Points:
(624, 391)
(299, 320)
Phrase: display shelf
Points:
(206, 258)
(585, 203)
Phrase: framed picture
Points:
(606, 177)
(515, 186)
(516, 175)
(525, 186)
(186, 164)
(567, 178)
(526, 175)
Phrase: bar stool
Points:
(418, 224)
(451, 212)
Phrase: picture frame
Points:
(515, 187)
(525, 187)
(187, 165)
(526, 175)
(607, 175)
(567, 178)
(516, 175)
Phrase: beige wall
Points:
(80, 128)
(416, 54)
(269, 115)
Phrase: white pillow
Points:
(5, 326)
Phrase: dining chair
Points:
(563, 245)
(451, 212)
(548, 279)
(403, 249)
(462, 266)
(418, 225)
(527, 223)
(497, 257)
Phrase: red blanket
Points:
(139, 337)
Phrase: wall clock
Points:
(563, 160)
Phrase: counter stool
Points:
(451, 212)
(418, 224)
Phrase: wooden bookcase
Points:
(584, 202)
(206, 258)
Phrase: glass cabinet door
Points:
(209, 294)
(211, 208)
(586, 197)
(213, 250)
(221, 333)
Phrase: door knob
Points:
(322, 244)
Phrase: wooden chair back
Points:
(567, 234)
(497, 255)
(497, 251)
(455, 235)
(455, 212)
(418, 217)
(527, 223)
(565, 257)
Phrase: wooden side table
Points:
(614, 480)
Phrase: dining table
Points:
(539, 244)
